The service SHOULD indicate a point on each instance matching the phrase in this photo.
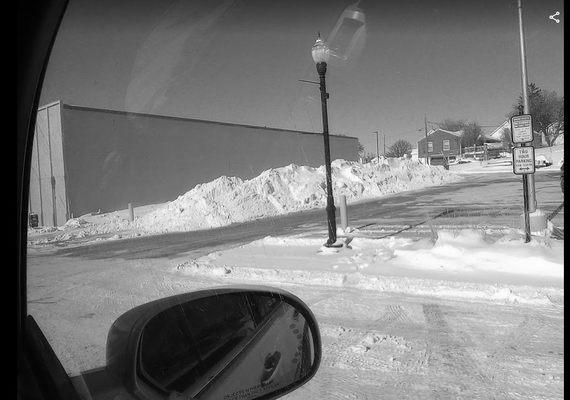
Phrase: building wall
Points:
(437, 138)
(113, 158)
(47, 173)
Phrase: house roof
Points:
(457, 133)
(498, 131)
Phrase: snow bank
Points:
(227, 200)
(461, 264)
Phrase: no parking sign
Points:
(523, 160)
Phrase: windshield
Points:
(361, 154)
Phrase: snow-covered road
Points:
(376, 344)
(473, 326)
(381, 345)
(392, 322)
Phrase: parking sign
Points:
(523, 160)
(521, 128)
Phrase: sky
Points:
(240, 61)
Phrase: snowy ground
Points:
(466, 264)
(447, 313)
(228, 200)
(456, 314)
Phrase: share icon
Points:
(557, 13)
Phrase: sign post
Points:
(523, 159)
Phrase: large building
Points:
(87, 159)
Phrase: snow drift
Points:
(276, 191)
(466, 264)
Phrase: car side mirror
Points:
(227, 343)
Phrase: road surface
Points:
(375, 344)
(478, 200)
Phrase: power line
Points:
(403, 133)
(482, 126)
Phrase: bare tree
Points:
(452, 125)
(399, 149)
(472, 135)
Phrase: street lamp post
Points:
(320, 53)
(377, 148)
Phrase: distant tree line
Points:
(399, 148)
(546, 108)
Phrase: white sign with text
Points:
(523, 160)
(521, 128)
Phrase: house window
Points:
(430, 147)
(446, 145)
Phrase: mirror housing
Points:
(246, 342)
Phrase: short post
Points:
(131, 213)
(343, 213)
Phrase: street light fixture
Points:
(321, 54)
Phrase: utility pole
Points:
(384, 134)
(530, 187)
(425, 130)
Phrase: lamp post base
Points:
(333, 245)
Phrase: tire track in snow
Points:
(357, 351)
(532, 335)
(447, 358)
(393, 314)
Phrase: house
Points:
(441, 145)
(497, 133)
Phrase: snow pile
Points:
(75, 223)
(468, 251)
(79, 228)
(277, 191)
(553, 154)
(460, 264)
(543, 159)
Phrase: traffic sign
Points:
(523, 160)
(521, 128)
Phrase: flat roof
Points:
(72, 106)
